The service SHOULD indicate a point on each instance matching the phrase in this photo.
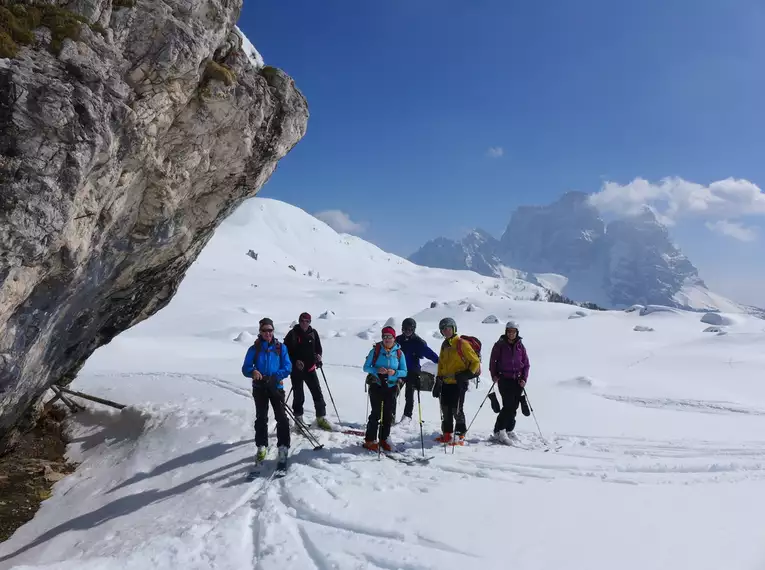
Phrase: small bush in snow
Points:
(490, 320)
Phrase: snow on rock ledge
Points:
(253, 54)
(120, 156)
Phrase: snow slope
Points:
(657, 437)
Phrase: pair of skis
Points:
(280, 470)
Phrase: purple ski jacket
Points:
(509, 360)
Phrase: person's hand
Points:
(390, 372)
(495, 379)
(318, 358)
(382, 370)
(299, 364)
(522, 382)
(257, 376)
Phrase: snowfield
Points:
(653, 454)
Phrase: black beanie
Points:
(266, 321)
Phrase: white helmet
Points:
(512, 325)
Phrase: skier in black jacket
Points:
(304, 348)
(414, 349)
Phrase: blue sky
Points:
(430, 117)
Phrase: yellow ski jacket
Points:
(450, 362)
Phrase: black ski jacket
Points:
(303, 346)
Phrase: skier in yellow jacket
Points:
(457, 364)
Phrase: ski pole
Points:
(481, 406)
(330, 394)
(419, 408)
(303, 429)
(535, 416)
(380, 427)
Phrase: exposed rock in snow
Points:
(641, 328)
(121, 155)
(634, 308)
(657, 309)
(490, 320)
(718, 319)
(577, 315)
(713, 329)
(327, 315)
(471, 308)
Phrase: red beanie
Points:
(389, 330)
(304, 317)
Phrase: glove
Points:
(437, 387)
(496, 408)
(525, 407)
(299, 364)
(464, 376)
(522, 382)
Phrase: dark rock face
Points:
(119, 157)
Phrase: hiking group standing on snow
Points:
(393, 363)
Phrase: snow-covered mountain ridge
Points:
(616, 265)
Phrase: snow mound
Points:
(244, 337)
(490, 320)
(719, 319)
(634, 308)
(580, 382)
(392, 322)
(471, 308)
(577, 315)
(641, 328)
(339, 334)
(327, 315)
(367, 335)
(653, 309)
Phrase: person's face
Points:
(511, 334)
(267, 332)
(305, 323)
(388, 340)
(408, 331)
(448, 332)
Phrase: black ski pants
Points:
(453, 407)
(382, 401)
(310, 379)
(412, 381)
(511, 393)
(263, 395)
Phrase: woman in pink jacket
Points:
(509, 367)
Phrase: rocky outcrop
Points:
(476, 252)
(122, 147)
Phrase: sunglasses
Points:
(387, 336)
(305, 321)
(408, 329)
(266, 330)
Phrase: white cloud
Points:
(674, 198)
(735, 230)
(340, 221)
(495, 152)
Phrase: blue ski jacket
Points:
(393, 358)
(268, 359)
(415, 349)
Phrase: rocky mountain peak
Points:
(130, 130)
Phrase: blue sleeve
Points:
(369, 365)
(402, 370)
(428, 353)
(285, 365)
(248, 366)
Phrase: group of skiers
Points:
(392, 364)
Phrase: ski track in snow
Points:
(686, 405)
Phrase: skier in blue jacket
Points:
(384, 365)
(267, 363)
(414, 349)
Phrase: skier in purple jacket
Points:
(509, 367)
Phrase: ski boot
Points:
(371, 445)
(445, 438)
(297, 424)
(385, 445)
(260, 456)
(323, 423)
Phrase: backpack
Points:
(476, 345)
